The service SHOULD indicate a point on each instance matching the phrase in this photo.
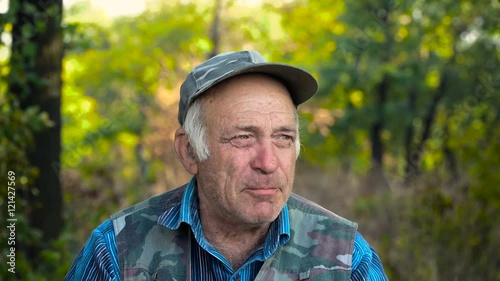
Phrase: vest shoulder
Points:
(145, 248)
(320, 246)
(156, 204)
(307, 208)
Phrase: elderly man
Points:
(237, 219)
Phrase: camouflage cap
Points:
(300, 83)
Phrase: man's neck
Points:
(235, 242)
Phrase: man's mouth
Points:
(264, 191)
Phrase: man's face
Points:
(251, 134)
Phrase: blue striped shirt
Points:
(98, 258)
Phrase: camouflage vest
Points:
(320, 245)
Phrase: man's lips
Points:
(262, 191)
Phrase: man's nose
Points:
(266, 159)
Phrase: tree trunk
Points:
(382, 90)
(35, 78)
(450, 158)
(376, 130)
(215, 30)
(413, 163)
(410, 156)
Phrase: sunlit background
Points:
(114, 8)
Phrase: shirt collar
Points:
(187, 212)
(184, 211)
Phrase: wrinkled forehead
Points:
(249, 97)
(241, 87)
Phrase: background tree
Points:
(30, 101)
(35, 79)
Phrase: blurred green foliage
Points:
(433, 212)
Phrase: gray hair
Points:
(196, 130)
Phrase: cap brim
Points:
(301, 85)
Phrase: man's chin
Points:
(263, 215)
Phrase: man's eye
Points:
(242, 140)
(285, 141)
(284, 137)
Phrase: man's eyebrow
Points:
(252, 128)
(287, 129)
(247, 128)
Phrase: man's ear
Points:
(185, 152)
